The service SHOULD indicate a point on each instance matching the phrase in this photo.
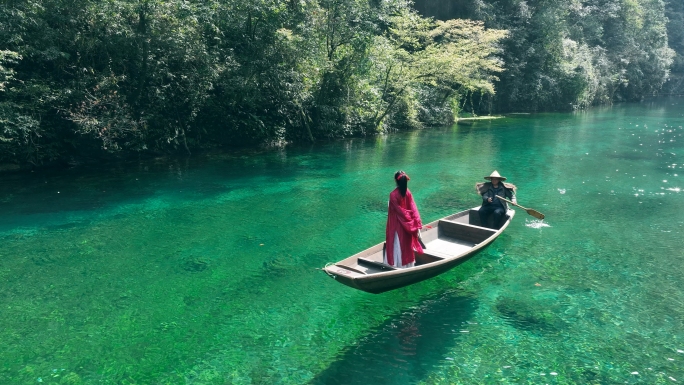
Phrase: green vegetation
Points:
(82, 78)
(571, 54)
(675, 34)
(87, 79)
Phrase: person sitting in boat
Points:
(403, 224)
(493, 210)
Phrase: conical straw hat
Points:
(495, 174)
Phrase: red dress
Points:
(403, 221)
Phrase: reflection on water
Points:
(205, 270)
(405, 348)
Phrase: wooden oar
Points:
(534, 213)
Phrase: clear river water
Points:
(205, 270)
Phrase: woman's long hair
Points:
(402, 181)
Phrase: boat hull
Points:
(450, 241)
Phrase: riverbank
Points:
(107, 159)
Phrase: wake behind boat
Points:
(449, 242)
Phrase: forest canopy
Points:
(84, 78)
(570, 54)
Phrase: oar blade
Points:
(535, 213)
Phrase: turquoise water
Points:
(204, 270)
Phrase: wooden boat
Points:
(449, 242)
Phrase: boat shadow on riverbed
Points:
(406, 348)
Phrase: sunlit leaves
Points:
(453, 57)
(7, 73)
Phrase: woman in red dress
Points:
(403, 224)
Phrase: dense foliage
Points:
(82, 78)
(675, 34)
(569, 54)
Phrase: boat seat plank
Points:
(447, 247)
(469, 225)
(464, 232)
(366, 261)
(428, 256)
(351, 269)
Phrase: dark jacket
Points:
(486, 190)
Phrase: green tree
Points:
(418, 57)
(573, 54)
(675, 31)
(155, 78)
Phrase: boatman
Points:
(493, 210)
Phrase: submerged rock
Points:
(528, 315)
(277, 266)
(194, 264)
